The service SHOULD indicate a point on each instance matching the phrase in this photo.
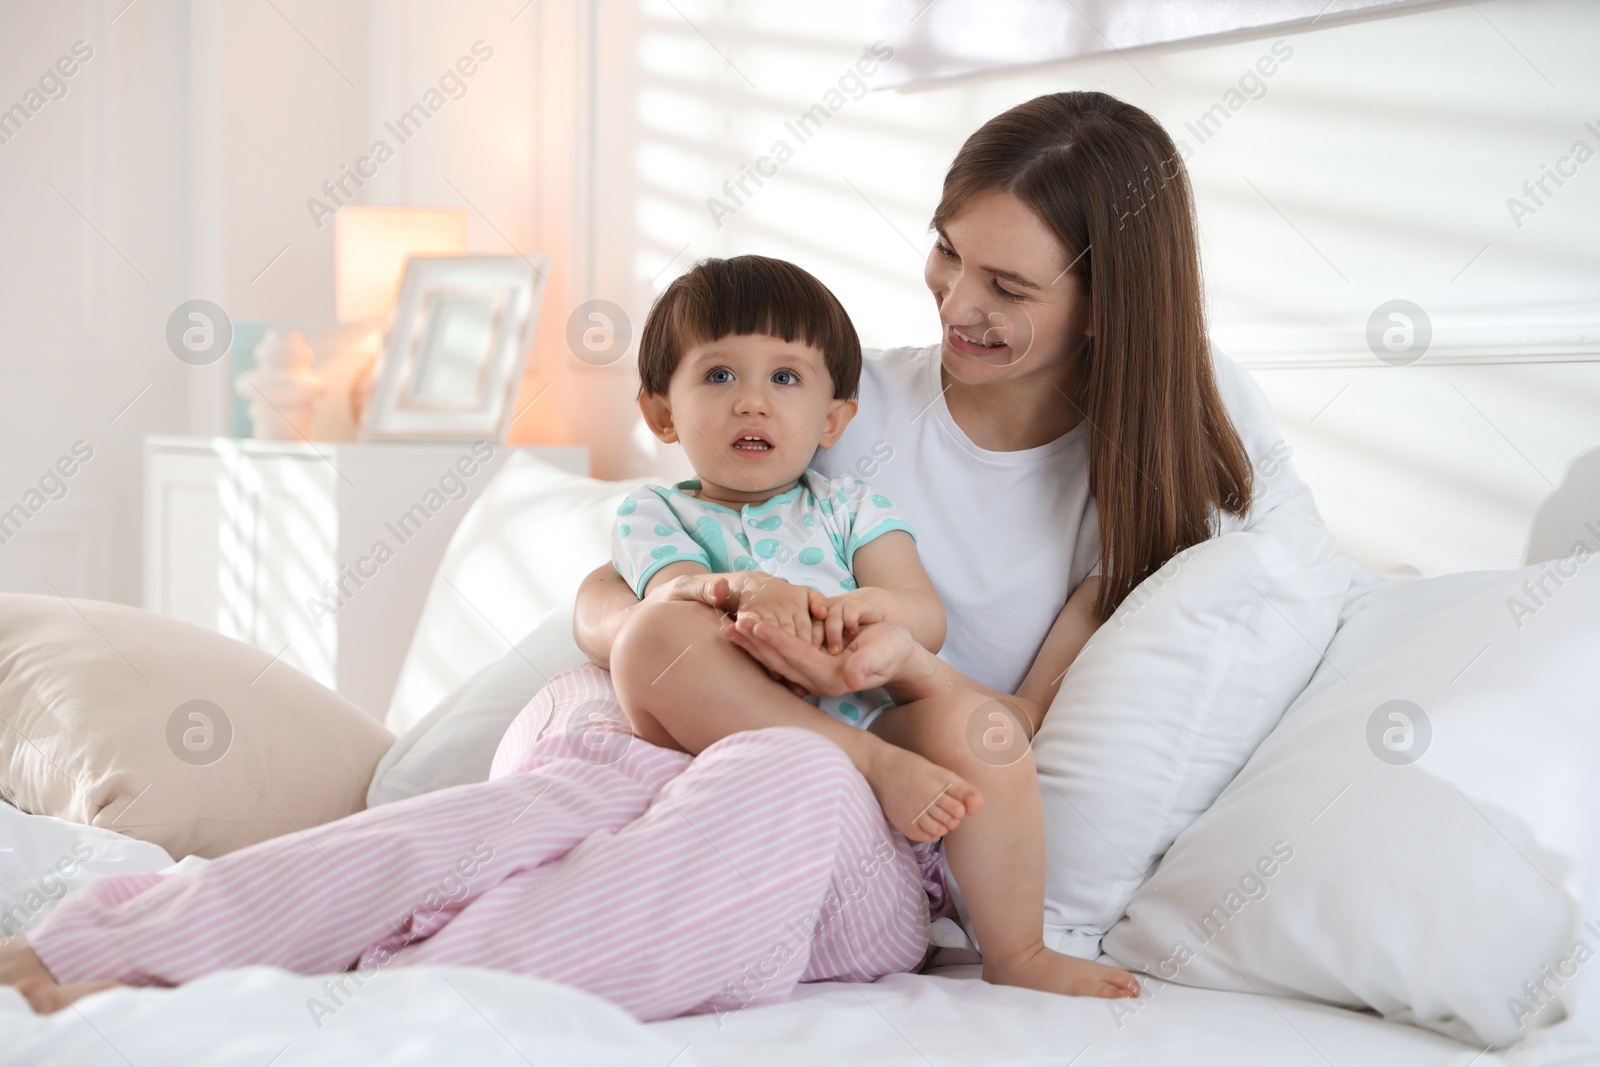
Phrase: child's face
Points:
(750, 411)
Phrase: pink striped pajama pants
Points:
(666, 884)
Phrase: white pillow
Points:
(1164, 705)
(519, 554)
(1430, 890)
(456, 742)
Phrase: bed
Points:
(256, 1016)
(1485, 881)
(427, 1015)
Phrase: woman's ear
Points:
(657, 414)
(840, 412)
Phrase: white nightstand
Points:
(319, 554)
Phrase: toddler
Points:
(751, 364)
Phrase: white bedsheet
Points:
(428, 1015)
(953, 1018)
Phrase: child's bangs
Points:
(741, 296)
(771, 302)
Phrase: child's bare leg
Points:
(997, 854)
(683, 685)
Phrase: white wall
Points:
(93, 233)
(1377, 165)
(187, 147)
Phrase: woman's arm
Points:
(1072, 629)
(1070, 632)
(605, 602)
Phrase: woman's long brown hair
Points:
(1109, 183)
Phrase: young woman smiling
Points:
(1065, 438)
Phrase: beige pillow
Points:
(120, 718)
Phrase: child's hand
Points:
(843, 616)
(714, 590)
(776, 601)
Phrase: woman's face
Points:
(1011, 309)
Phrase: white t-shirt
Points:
(1007, 536)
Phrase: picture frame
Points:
(457, 345)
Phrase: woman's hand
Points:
(879, 654)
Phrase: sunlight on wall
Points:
(1374, 162)
(707, 136)
(275, 536)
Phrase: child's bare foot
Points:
(18, 962)
(47, 998)
(921, 799)
(1054, 972)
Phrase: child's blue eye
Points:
(720, 374)
(785, 377)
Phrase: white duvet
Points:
(257, 1016)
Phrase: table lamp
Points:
(370, 249)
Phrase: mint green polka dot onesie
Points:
(807, 536)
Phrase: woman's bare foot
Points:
(20, 966)
(921, 799)
(47, 998)
(1054, 972)
(19, 963)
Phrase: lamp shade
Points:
(371, 246)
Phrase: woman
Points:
(1064, 440)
